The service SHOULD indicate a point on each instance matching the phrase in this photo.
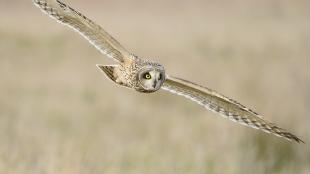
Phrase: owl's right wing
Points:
(97, 36)
(224, 106)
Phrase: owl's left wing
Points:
(95, 34)
(224, 106)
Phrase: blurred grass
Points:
(58, 114)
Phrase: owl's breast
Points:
(127, 76)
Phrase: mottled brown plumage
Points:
(147, 76)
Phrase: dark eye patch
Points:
(160, 76)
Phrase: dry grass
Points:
(58, 114)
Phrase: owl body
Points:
(147, 76)
(133, 74)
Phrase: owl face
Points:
(150, 79)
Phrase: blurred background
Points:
(59, 114)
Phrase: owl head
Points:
(150, 78)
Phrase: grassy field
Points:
(58, 113)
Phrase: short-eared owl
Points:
(147, 76)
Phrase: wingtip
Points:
(298, 140)
(294, 138)
(36, 2)
(99, 66)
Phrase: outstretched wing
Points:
(64, 14)
(226, 107)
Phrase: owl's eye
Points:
(147, 76)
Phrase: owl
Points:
(147, 76)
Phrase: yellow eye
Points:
(147, 76)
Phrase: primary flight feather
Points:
(148, 76)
